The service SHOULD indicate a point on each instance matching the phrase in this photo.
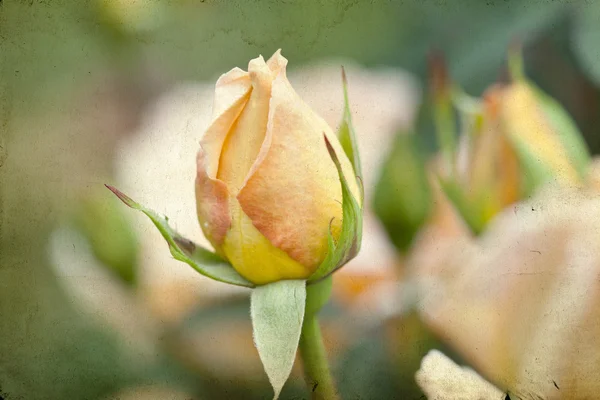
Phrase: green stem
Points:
(312, 350)
(316, 368)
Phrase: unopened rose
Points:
(519, 140)
(267, 190)
(489, 169)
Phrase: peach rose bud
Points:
(268, 191)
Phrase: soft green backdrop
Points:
(67, 65)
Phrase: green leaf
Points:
(277, 311)
(346, 133)
(182, 249)
(348, 244)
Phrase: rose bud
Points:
(487, 164)
(268, 192)
(279, 196)
(516, 141)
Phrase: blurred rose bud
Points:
(267, 190)
(487, 173)
(517, 141)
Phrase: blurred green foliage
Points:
(586, 38)
(53, 51)
(104, 224)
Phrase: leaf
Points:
(349, 241)
(346, 133)
(277, 311)
(182, 249)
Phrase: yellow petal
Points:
(253, 256)
(293, 191)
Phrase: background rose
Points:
(519, 302)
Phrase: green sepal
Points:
(534, 172)
(347, 135)
(317, 295)
(202, 260)
(349, 241)
(472, 212)
(566, 129)
(277, 311)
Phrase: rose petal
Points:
(521, 303)
(231, 94)
(253, 255)
(211, 204)
(295, 172)
(246, 136)
(277, 63)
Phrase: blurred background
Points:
(93, 306)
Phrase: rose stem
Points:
(312, 350)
